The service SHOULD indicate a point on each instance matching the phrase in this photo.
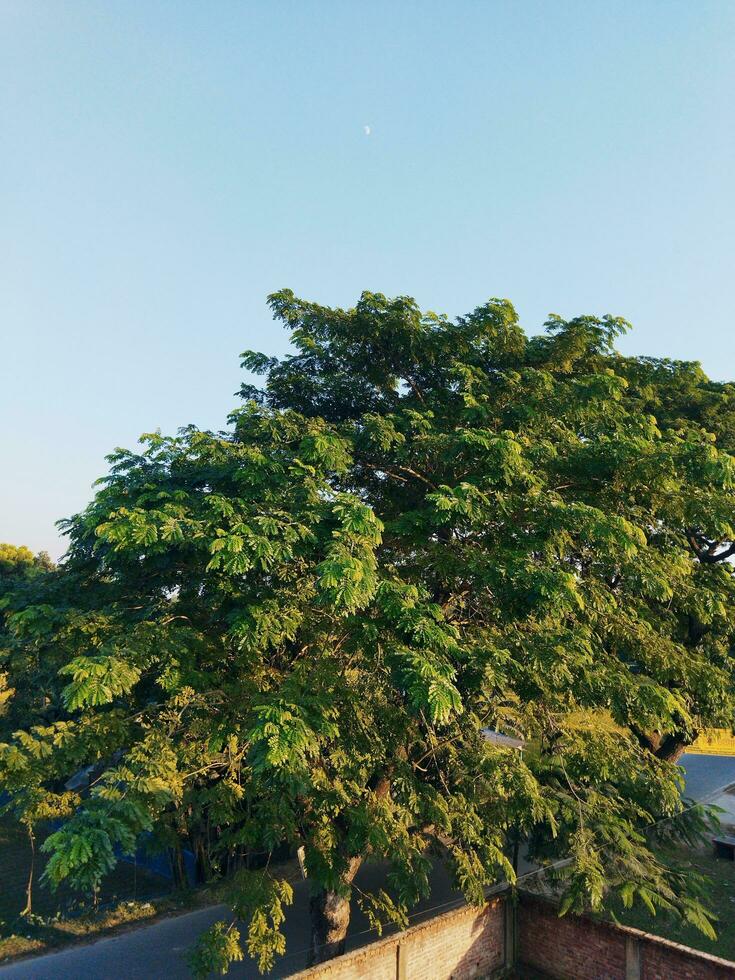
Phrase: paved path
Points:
(159, 950)
(707, 773)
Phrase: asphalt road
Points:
(159, 950)
(707, 773)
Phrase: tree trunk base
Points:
(330, 917)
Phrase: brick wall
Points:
(567, 947)
(578, 947)
(464, 944)
(470, 944)
(662, 960)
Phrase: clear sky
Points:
(164, 166)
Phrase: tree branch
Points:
(706, 549)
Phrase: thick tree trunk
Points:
(670, 748)
(330, 917)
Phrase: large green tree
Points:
(417, 529)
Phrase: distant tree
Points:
(19, 560)
(20, 573)
(296, 630)
(20, 569)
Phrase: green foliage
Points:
(215, 950)
(97, 680)
(380, 910)
(21, 562)
(296, 630)
(258, 899)
(82, 852)
(19, 570)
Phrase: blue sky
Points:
(166, 165)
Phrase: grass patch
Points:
(715, 741)
(721, 895)
(37, 935)
(129, 894)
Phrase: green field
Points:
(722, 899)
(716, 741)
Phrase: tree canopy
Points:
(416, 529)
